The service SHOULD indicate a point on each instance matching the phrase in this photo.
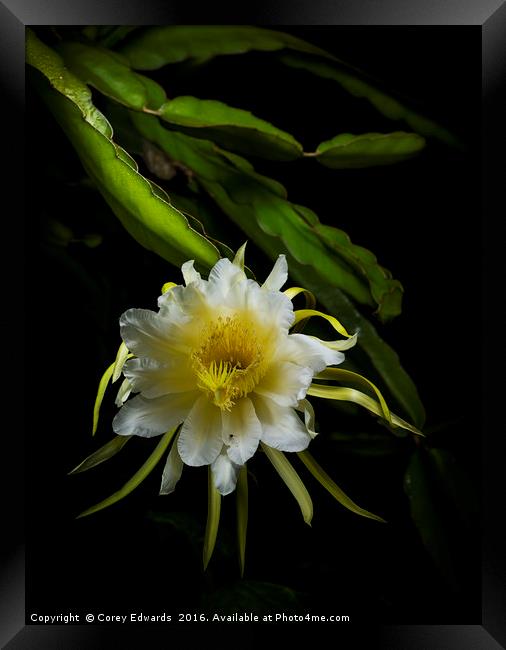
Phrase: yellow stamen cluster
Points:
(229, 363)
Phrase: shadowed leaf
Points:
(347, 151)
(157, 46)
(358, 85)
(433, 512)
(230, 127)
(144, 210)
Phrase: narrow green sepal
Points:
(322, 477)
(109, 450)
(292, 480)
(239, 256)
(102, 386)
(136, 479)
(242, 515)
(213, 518)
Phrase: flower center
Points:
(229, 363)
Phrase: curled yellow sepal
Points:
(167, 286)
(341, 344)
(356, 396)
(302, 314)
(339, 374)
(291, 293)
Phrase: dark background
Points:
(421, 219)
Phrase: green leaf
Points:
(144, 210)
(57, 233)
(155, 47)
(110, 36)
(386, 291)
(322, 477)
(455, 484)
(111, 75)
(292, 481)
(136, 479)
(242, 515)
(209, 119)
(107, 35)
(213, 518)
(347, 151)
(431, 513)
(356, 84)
(259, 206)
(109, 450)
(231, 128)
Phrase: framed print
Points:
(250, 324)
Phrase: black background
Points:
(422, 221)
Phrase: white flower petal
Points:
(172, 470)
(225, 473)
(177, 304)
(307, 351)
(146, 334)
(272, 309)
(200, 439)
(189, 273)
(241, 431)
(188, 309)
(152, 417)
(278, 276)
(285, 383)
(154, 379)
(281, 428)
(225, 275)
(277, 308)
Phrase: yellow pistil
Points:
(229, 363)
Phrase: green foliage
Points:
(205, 192)
(358, 86)
(157, 46)
(321, 257)
(369, 149)
(431, 512)
(110, 73)
(231, 128)
(143, 208)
